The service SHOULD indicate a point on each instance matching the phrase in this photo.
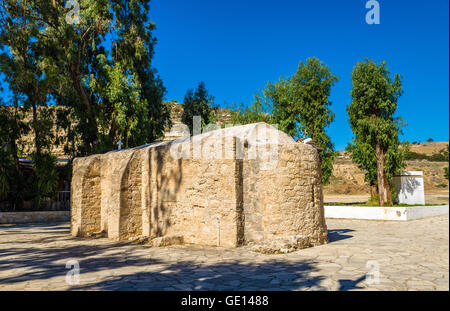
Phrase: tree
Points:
(134, 50)
(311, 89)
(8, 131)
(90, 64)
(13, 185)
(197, 103)
(110, 39)
(300, 106)
(98, 67)
(374, 102)
(430, 140)
(254, 113)
(21, 62)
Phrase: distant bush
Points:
(442, 156)
(446, 172)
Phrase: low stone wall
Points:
(385, 213)
(34, 217)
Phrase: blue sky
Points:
(236, 47)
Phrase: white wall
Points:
(410, 188)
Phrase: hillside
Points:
(26, 142)
(349, 179)
(429, 148)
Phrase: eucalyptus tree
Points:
(375, 127)
(134, 48)
(300, 106)
(94, 56)
(21, 62)
(311, 89)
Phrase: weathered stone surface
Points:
(167, 241)
(229, 187)
(282, 245)
(411, 256)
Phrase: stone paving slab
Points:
(409, 256)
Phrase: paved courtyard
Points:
(409, 256)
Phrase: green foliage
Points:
(374, 102)
(256, 112)
(12, 127)
(75, 66)
(99, 69)
(6, 171)
(197, 102)
(363, 154)
(130, 115)
(373, 201)
(442, 156)
(45, 178)
(134, 50)
(312, 85)
(300, 106)
(446, 172)
(445, 152)
(280, 98)
(437, 157)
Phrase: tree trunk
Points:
(18, 200)
(92, 122)
(384, 189)
(13, 141)
(37, 135)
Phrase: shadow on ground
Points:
(121, 266)
(339, 234)
(345, 285)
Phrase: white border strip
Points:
(385, 213)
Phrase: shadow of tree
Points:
(273, 275)
(40, 259)
(107, 265)
(167, 183)
(345, 285)
(339, 234)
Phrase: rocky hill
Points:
(26, 144)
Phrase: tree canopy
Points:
(97, 64)
(300, 106)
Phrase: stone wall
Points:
(286, 200)
(33, 217)
(207, 189)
